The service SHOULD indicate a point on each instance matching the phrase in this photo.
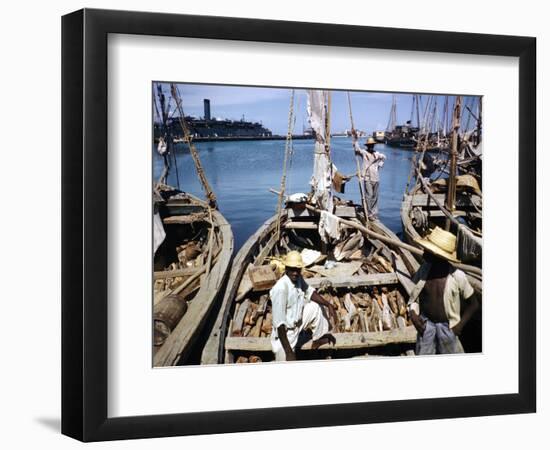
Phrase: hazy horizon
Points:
(270, 106)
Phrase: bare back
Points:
(431, 297)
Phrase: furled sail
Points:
(323, 170)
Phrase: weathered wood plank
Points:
(302, 225)
(456, 213)
(307, 226)
(345, 211)
(262, 277)
(266, 250)
(162, 274)
(214, 352)
(405, 335)
(239, 317)
(185, 219)
(463, 201)
(298, 212)
(374, 279)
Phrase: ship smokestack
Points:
(206, 109)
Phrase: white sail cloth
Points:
(321, 180)
(162, 146)
(158, 232)
(323, 169)
(329, 227)
(468, 245)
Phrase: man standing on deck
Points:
(297, 307)
(372, 162)
(440, 288)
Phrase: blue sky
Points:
(271, 106)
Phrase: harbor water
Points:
(242, 172)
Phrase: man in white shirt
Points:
(372, 163)
(297, 307)
(439, 321)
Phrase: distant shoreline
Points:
(243, 138)
(247, 138)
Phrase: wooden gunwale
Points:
(220, 344)
(178, 345)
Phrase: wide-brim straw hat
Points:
(440, 243)
(463, 183)
(468, 181)
(371, 141)
(294, 259)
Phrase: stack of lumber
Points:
(358, 311)
(252, 318)
(368, 310)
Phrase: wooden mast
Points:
(357, 163)
(451, 183)
(327, 123)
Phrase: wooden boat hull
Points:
(180, 342)
(221, 347)
(410, 235)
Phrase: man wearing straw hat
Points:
(296, 307)
(372, 163)
(440, 288)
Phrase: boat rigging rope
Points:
(291, 154)
(288, 151)
(357, 163)
(211, 197)
(157, 114)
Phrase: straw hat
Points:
(468, 181)
(370, 141)
(294, 259)
(441, 243)
(463, 183)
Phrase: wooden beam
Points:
(162, 274)
(424, 200)
(238, 323)
(405, 335)
(185, 219)
(302, 225)
(266, 250)
(438, 213)
(373, 279)
(307, 225)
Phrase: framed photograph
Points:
(273, 225)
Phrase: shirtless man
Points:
(440, 322)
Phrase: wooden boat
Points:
(349, 262)
(193, 246)
(400, 136)
(190, 269)
(369, 274)
(420, 213)
(379, 136)
(426, 205)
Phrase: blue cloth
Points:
(438, 338)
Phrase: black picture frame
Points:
(84, 224)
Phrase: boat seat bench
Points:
(344, 341)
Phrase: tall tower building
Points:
(206, 109)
